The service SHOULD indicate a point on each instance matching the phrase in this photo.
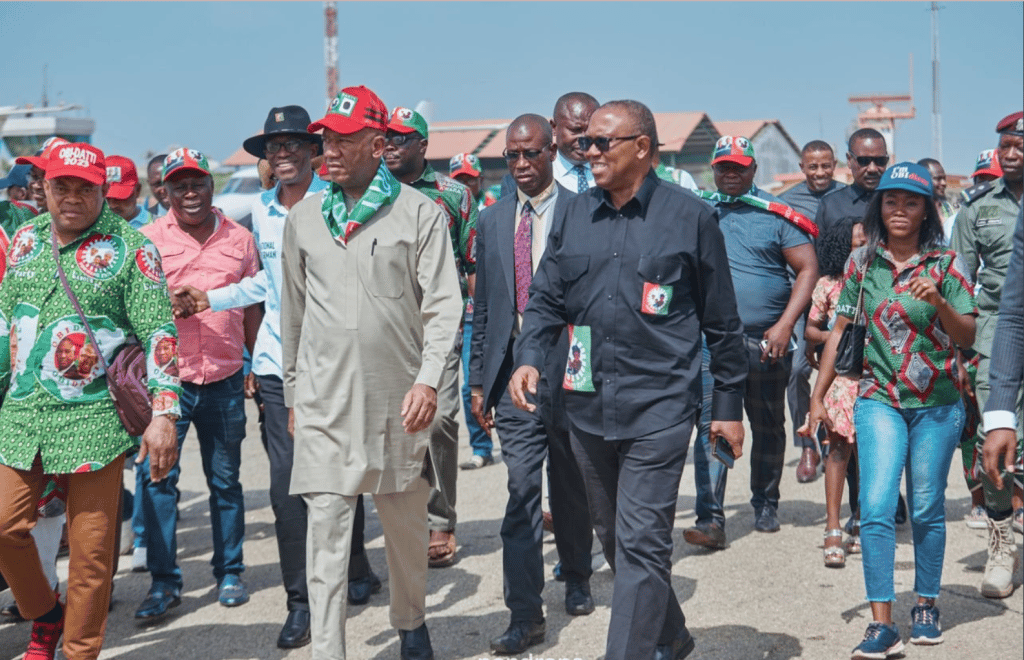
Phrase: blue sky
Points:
(204, 75)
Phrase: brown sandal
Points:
(441, 551)
(835, 555)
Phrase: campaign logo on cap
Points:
(42, 157)
(185, 160)
(907, 176)
(122, 177)
(352, 110)
(733, 149)
(80, 160)
(987, 164)
(464, 164)
(1012, 124)
(404, 120)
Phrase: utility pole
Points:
(331, 50)
(936, 111)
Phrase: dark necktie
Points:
(581, 179)
(523, 253)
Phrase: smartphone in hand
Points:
(723, 452)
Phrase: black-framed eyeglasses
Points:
(528, 154)
(399, 139)
(291, 146)
(603, 144)
(864, 161)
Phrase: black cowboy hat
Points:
(288, 120)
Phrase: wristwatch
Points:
(171, 416)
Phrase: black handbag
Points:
(850, 352)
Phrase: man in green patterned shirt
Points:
(406, 158)
(57, 417)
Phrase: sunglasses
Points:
(528, 154)
(864, 161)
(291, 146)
(398, 139)
(603, 144)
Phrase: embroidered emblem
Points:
(101, 256)
(579, 376)
(657, 298)
(279, 117)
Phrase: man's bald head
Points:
(569, 122)
(529, 123)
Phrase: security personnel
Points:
(984, 233)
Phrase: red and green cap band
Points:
(733, 149)
(464, 164)
(185, 160)
(404, 120)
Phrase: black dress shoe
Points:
(159, 599)
(681, 647)
(359, 590)
(577, 598)
(767, 520)
(520, 636)
(901, 510)
(295, 632)
(416, 644)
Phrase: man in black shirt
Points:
(867, 158)
(637, 270)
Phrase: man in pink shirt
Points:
(201, 247)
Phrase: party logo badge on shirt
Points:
(147, 258)
(69, 366)
(101, 256)
(162, 358)
(579, 375)
(25, 246)
(24, 327)
(656, 299)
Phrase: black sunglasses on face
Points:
(291, 146)
(528, 154)
(399, 139)
(864, 161)
(603, 144)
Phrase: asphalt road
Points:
(766, 597)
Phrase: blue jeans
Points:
(764, 403)
(479, 439)
(218, 412)
(920, 441)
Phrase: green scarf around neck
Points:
(341, 222)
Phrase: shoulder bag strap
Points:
(78, 308)
(860, 295)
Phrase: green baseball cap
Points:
(404, 120)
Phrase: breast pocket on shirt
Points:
(659, 276)
(385, 271)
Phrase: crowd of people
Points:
(601, 310)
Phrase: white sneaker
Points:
(1002, 559)
(977, 518)
(127, 537)
(139, 560)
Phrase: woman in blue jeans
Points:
(918, 305)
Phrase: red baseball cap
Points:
(80, 160)
(41, 157)
(122, 177)
(988, 163)
(734, 149)
(352, 110)
(185, 160)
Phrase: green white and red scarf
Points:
(791, 215)
(341, 222)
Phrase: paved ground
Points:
(766, 597)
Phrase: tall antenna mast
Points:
(46, 101)
(331, 50)
(936, 111)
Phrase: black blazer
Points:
(1007, 365)
(494, 303)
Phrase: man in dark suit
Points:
(1002, 448)
(511, 236)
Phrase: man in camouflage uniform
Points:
(406, 158)
(983, 232)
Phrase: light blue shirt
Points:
(268, 218)
(141, 219)
(566, 175)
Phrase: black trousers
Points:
(525, 442)
(289, 510)
(632, 487)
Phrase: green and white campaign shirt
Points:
(909, 360)
(56, 401)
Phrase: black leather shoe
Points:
(359, 590)
(577, 598)
(767, 520)
(901, 511)
(681, 647)
(520, 636)
(159, 599)
(295, 632)
(416, 644)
